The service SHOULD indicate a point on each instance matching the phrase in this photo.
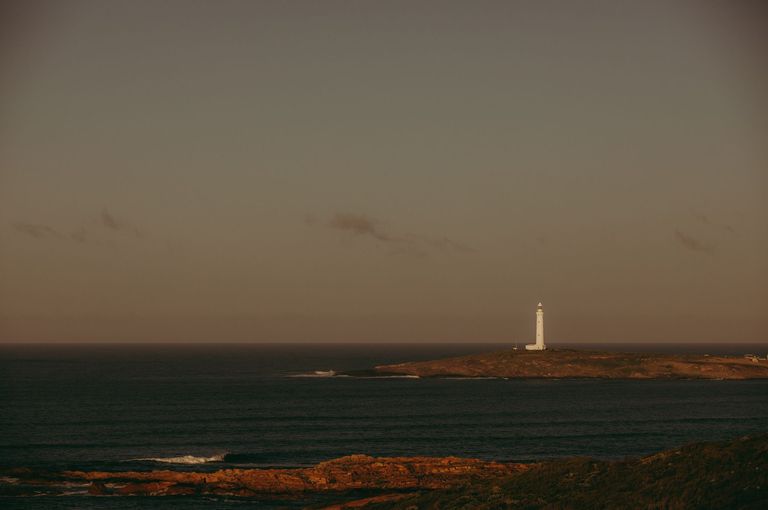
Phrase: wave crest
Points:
(320, 373)
(185, 459)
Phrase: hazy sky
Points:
(383, 171)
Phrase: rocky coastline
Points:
(354, 472)
(567, 363)
(728, 474)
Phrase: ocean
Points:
(214, 406)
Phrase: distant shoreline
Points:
(639, 346)
(577, 364)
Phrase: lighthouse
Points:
(539, 345)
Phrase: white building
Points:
(539, 345)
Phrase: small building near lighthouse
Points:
(539, 345)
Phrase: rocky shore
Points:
(705, 476)
(728, 474)
(354, 472)
(565, 363)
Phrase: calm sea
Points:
(207, 406)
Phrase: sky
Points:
(361, 171)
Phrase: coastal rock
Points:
(712, 476)
(558, 364)
(728, 474)
(346, 473)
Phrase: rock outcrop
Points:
(704, 476)
(585, 364)
(354, 472)
(729, 474)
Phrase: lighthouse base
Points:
(535, 347)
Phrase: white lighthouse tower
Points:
(539, 345)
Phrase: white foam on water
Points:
(184, 459)
(318, 373)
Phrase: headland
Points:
(569, 363)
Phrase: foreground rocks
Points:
(702, 476)
(344, 474)
(584, 364)
(729, 474)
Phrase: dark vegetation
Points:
(725, 475)
(722, 475)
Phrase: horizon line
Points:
(321, 342)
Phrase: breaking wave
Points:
(320, 373)
(184, 459)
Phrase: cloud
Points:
(365, 226)
(704, 219)
(78, 235)
(360, 225)
(46, 232)
(37, 231)
(693, 244)
(117, 225)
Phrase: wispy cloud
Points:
(79, 235)
(693, 244)
(704, 219)
(39, 231)
(36, 230)
(360, 225)
(364, 226)
(110, 222)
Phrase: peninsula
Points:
(570, 363)
(537, 361)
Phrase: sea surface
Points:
(214, 406)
